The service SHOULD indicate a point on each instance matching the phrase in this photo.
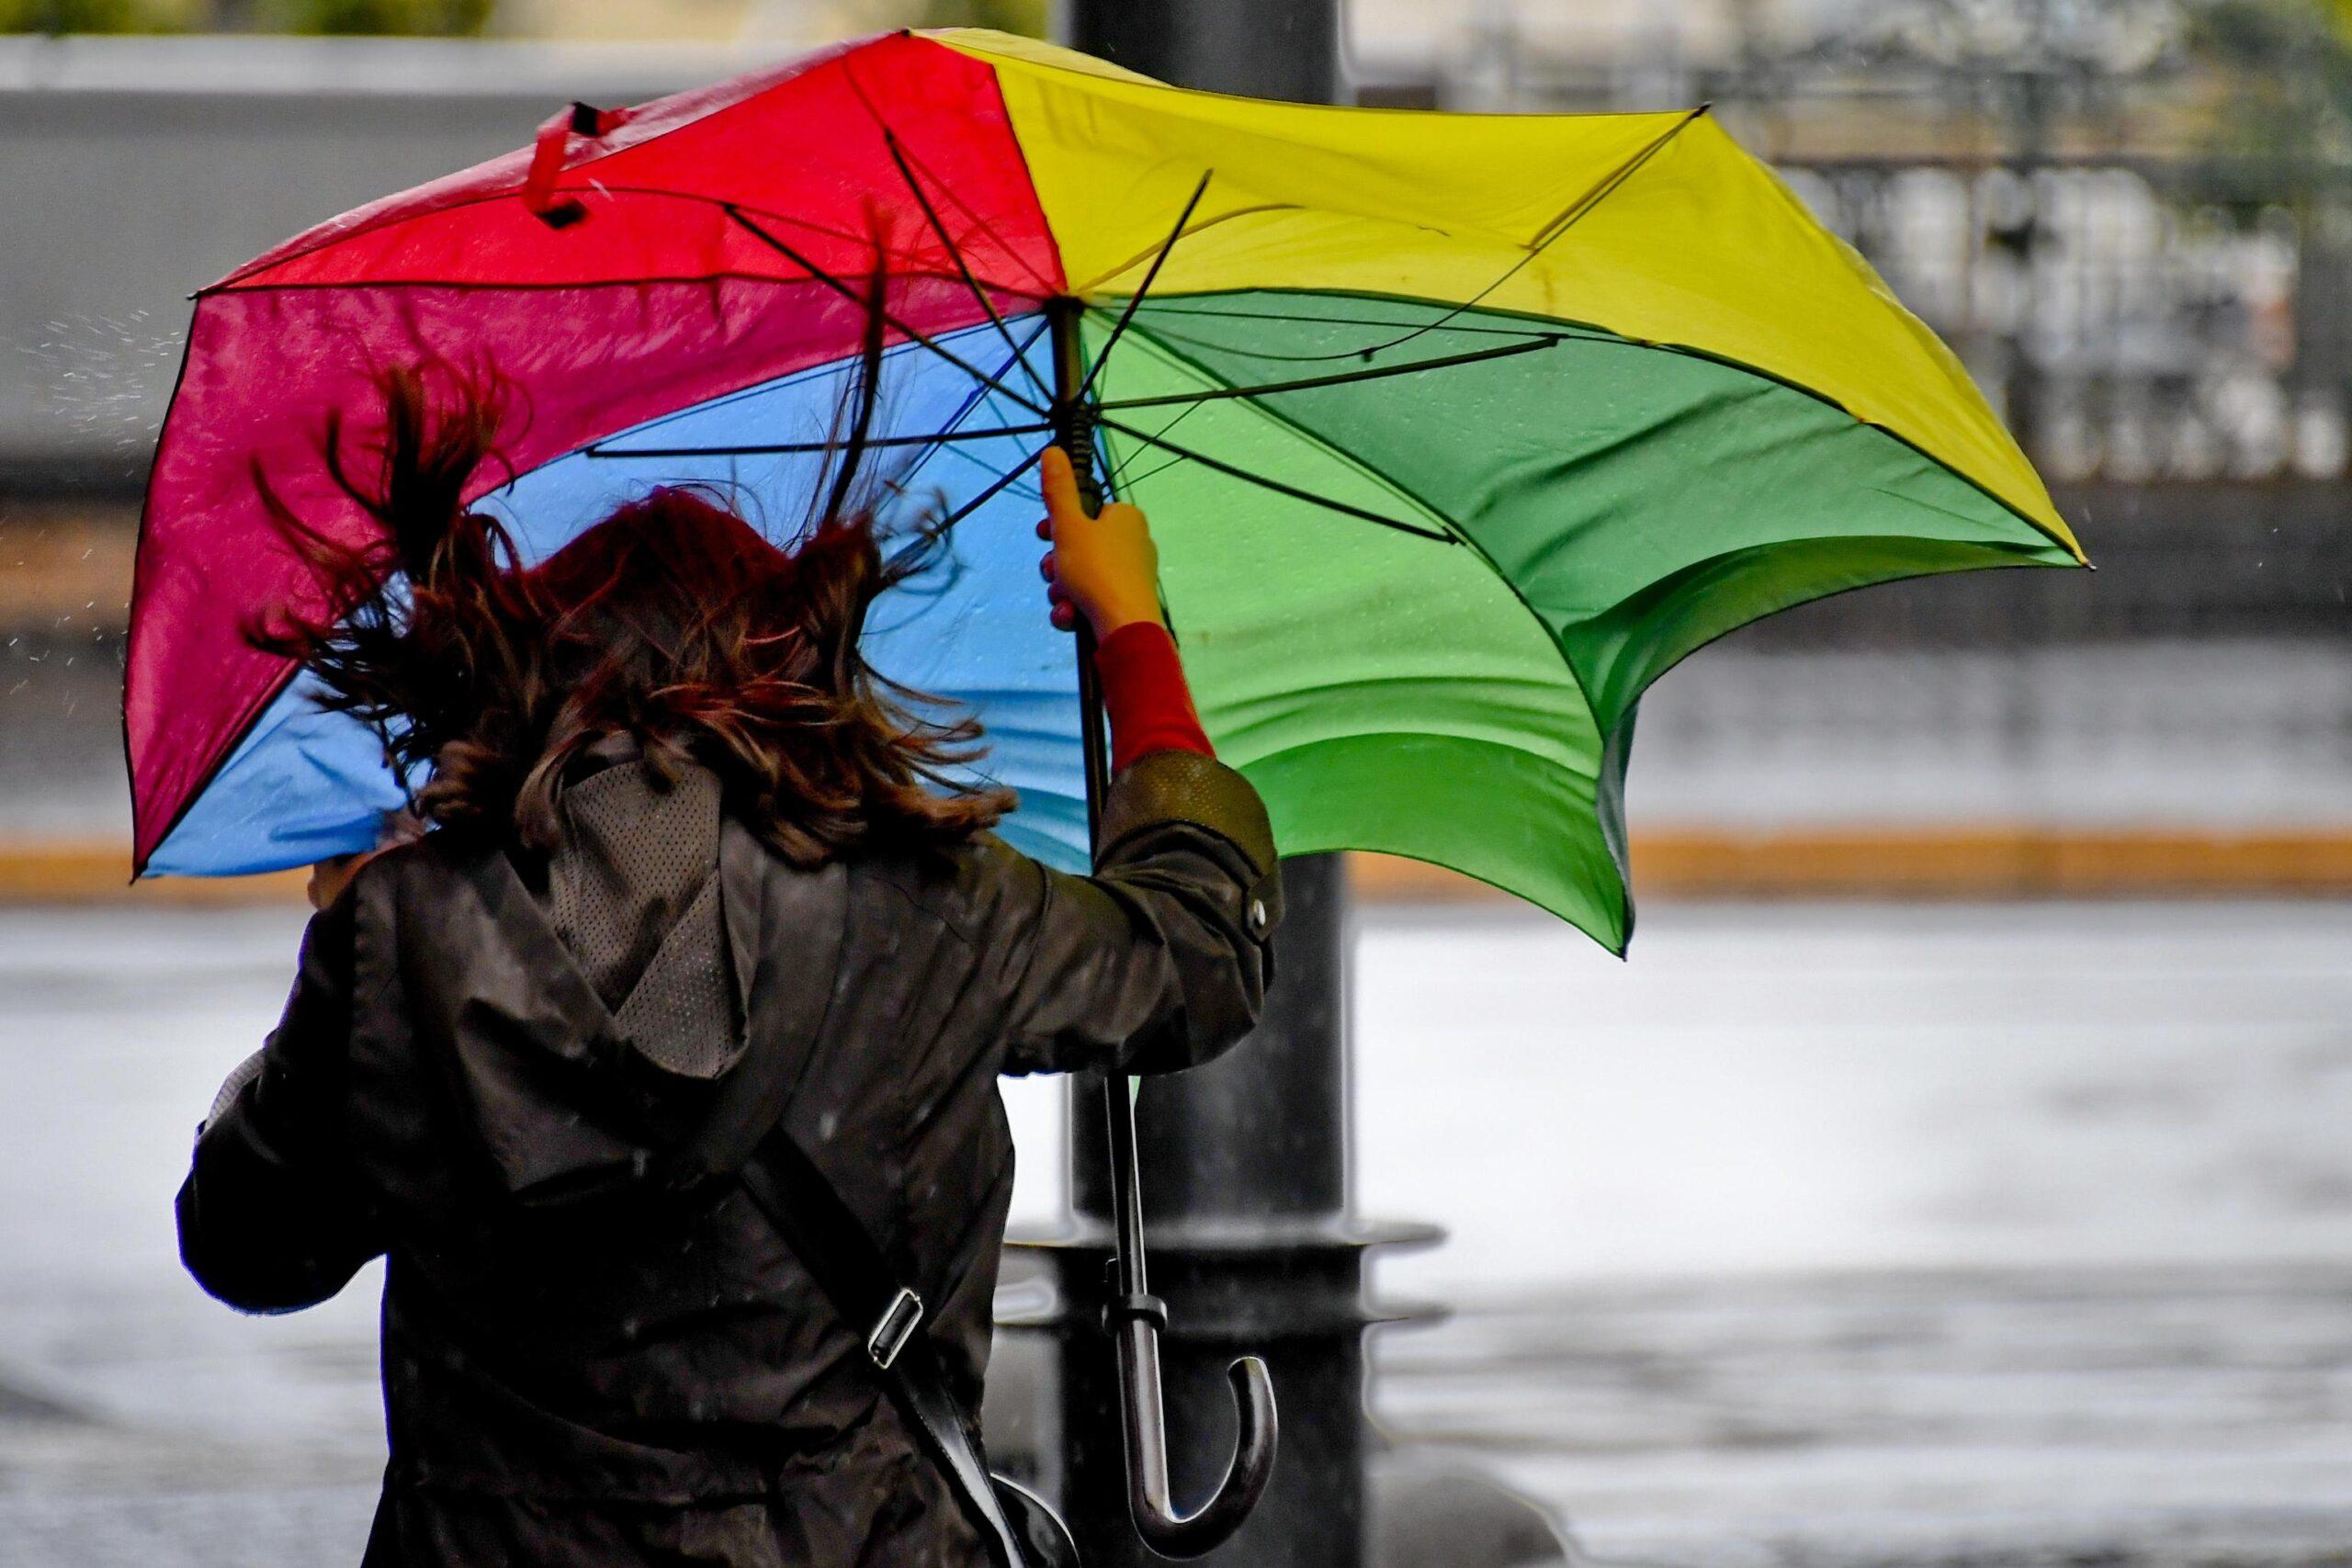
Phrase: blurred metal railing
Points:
(2157, 299)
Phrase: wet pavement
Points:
(1816, 1236)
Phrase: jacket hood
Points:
(559, 1088)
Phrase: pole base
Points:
(1424, 1513)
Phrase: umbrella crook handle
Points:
(1134, 1316)
(1204, 1530)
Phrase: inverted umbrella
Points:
(1456, 432)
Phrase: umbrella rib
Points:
(1341, 378)
(891, 141)
(1560, 225)
(1231, 215)
(972, 404)
(1316, 439)
(960, 455)
(901, 159)
(1119, 480)
(896, 324)
(906, 258)
(1575, 210)
(828, 231)
(1565, 332)
(955, 254)
(1130, 486)
(1002, 480)
(1567, 219)
(1311, 318)
(933, 442)
(789, 448)
(1278, 486)
(1047, 288)
(1136, 299)
(1163, 335)
(1126, 485)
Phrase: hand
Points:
(1104, 566)
(329, 877)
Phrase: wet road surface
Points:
(1816, 1236)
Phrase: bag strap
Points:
(741, 1134)
(837, 1249)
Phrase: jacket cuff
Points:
(231, 1088)
(1185, 786)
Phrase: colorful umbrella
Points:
(1456, 431)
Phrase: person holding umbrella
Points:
(699, 898)
(1460, 432)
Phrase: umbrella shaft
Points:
(1074, 432)
(1073, 418)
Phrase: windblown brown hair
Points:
(673, 620)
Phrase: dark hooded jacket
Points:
(583, 1365)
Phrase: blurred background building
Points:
(2131, 218)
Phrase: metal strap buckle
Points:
(894, 1328)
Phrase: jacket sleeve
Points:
(1160, 961)
(271, 1216)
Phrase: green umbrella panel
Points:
(1564, 514)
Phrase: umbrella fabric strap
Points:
(548, 155)
(1140, 1307)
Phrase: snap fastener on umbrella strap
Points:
(1134, 1307)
